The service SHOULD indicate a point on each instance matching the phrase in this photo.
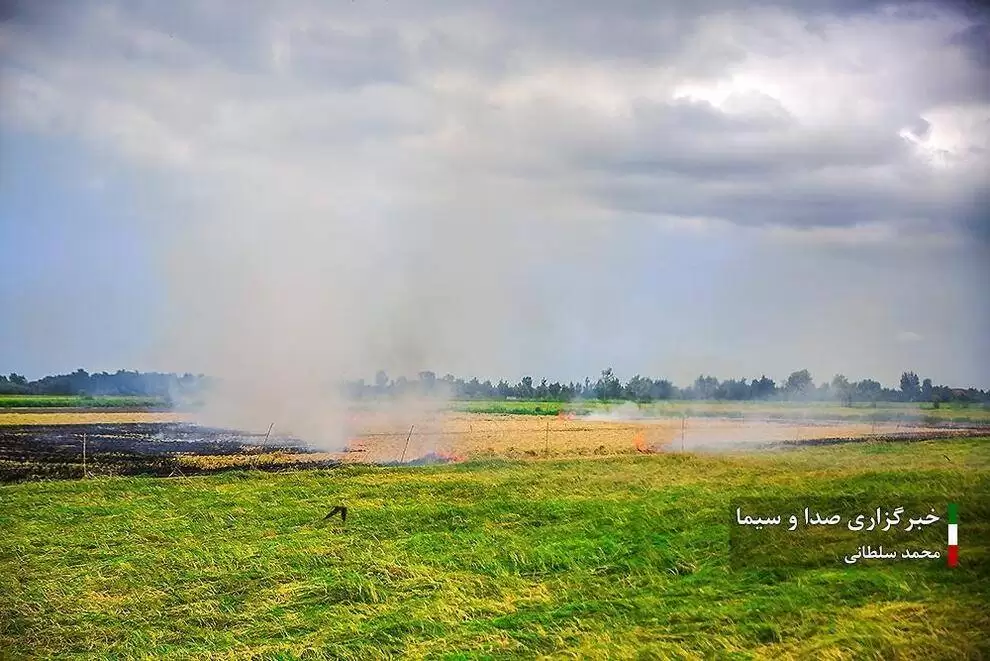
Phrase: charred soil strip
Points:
(897, 437)
(157, 449)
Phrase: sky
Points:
(316, 190)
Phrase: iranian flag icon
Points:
(953, 534)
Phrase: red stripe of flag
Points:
(953, 520)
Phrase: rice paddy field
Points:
(525, 536)
(904, 412)
(41, 444)
(85, 417)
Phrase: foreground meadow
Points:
(611, 557)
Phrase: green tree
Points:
(763, 387)
(705, 387)
(910, 386)
(428, 380)
(869, 390)
(798, 383)
(503, 389)
(639, 389)
(542, 391)
(608, 386)
(525, 389)
(381, 380)
(842, 389)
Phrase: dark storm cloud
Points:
(975, 41)
(824, 120)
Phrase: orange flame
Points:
(640, 443)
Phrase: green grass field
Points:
(883, 412)
(610, 558)
(78, 401)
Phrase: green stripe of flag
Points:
(953, 513)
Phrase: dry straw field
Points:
(473, 435)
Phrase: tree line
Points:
(119, 383)
(799, 386)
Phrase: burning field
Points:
(72, 445)
(520, 436)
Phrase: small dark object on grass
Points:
(337, 508)
(947, 458)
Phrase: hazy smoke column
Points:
(282, 290)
